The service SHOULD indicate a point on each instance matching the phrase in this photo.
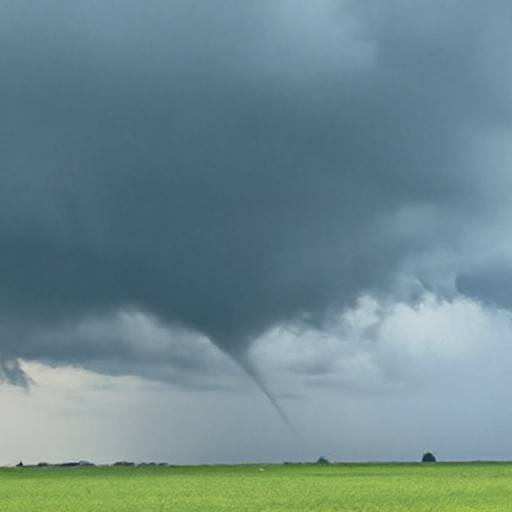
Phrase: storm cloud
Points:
(223, 168)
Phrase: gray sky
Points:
(317, 193)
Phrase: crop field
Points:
(289, 487)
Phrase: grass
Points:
(478, 487)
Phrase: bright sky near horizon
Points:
(205, 201)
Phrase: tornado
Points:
(244, 361)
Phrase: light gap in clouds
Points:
(385, 347)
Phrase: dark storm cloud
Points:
(228, 166)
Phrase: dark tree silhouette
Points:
(428, 457)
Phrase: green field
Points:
(290, 487)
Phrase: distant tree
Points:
(322, 460)
(428, 457)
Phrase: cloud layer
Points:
(227, 167)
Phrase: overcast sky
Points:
(239, 231)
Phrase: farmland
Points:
(289, 487)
